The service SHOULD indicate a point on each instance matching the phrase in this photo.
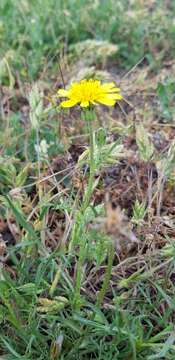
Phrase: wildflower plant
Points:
(86, 94)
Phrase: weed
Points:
(87, 227)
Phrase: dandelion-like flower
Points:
(90, 92)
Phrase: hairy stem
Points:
(78, 227)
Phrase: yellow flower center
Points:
(86, 91)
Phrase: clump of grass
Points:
(51, 26)
(78, 281)
(120, 304)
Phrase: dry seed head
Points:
(36, 106)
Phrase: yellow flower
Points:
(90, 92)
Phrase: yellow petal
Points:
(84, 104)
(114, 90)
(106, 101)
(110, 87)
(63, 92)
(68, 103)
(115, 96)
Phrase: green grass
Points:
(44, 29)
(124, 256)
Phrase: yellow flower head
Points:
(90, 92)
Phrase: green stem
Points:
(77, 231)
(87, 196)
(107, 277)
(89, 190)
